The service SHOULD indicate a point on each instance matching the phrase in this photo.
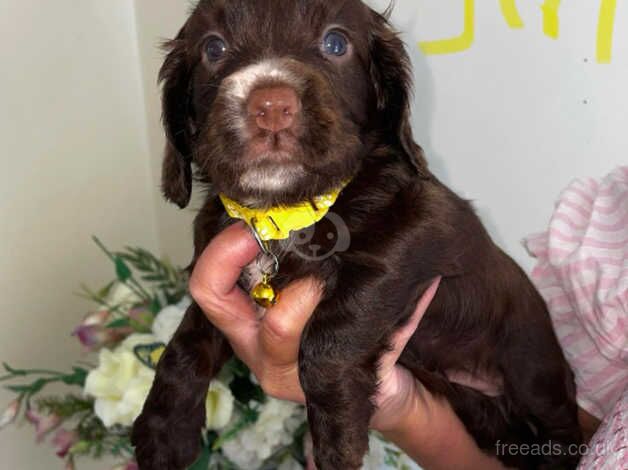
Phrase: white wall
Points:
(74, 163)
(512, 120)
(158, 20)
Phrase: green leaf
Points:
(102, 247)
(210, 438)
(31, 389)
(122, 270)
(105, 291)
(131, 259)
(18, 388)
(80, 448)
(119, 323)
(203, 461)
(153, 277)
(244, 390)
(77, 378)
(88, 294)
(140, 327)
(66, 406)
(237, 367)
(38, 385)
(10, 369)
(392, 458)
(155, 306)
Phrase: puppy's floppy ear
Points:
(175, 74)
(392, 78)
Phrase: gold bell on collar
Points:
(264, 293)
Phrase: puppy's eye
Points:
(215, 48)
(335, 43)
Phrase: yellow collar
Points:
(276, 223)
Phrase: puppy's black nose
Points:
(274, 109)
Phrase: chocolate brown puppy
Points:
(277, 102)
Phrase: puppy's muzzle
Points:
(274, 109)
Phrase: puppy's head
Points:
(276, 101)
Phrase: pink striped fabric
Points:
(582, 272)
(608, 450)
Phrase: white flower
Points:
(274, 428)
(167, 322)
(121, 382)
(218, 405)
(376, 457)
(121, 294)
(384, 455)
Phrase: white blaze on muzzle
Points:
(237, 89)
(240, 84)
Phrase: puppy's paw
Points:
(162, 444)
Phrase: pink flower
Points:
(43, 423)
(63, 440)
(141, 318)
(91, 337)
(96, 318)
(10, 413)
(94, 334)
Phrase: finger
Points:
(220, 265)
(214, 281)
(282, 326)
(401, 338)
(492, 387)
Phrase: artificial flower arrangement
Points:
(135, 316)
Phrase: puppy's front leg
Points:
(167, 434)
(338, 372)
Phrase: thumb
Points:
(283, 324)
(400, 338)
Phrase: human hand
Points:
(270, 345)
